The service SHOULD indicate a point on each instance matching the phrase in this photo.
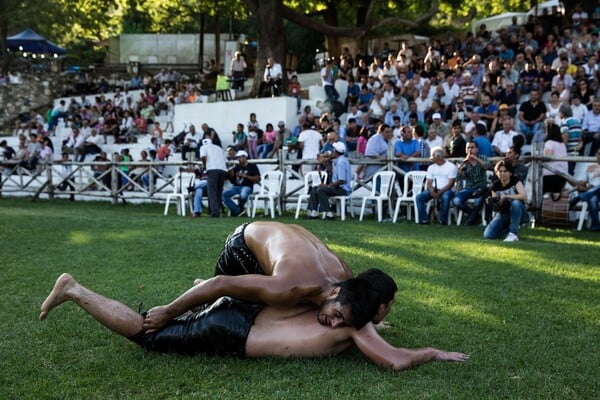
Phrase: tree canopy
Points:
(67, 22)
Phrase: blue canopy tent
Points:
(31, 42)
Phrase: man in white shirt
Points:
(238, 71)
(441, 176)
(190, 142)
(579, 109)
(433, 140)
(423, 103)
(354, 113)
(389, 95)
(86, 130)
(377, 107)
(91, 145)
(213, 158)
(503, 139)
(74, 143)
(271, 84)
(309, 141)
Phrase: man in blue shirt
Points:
(406, 147)
(483, 143)
(340, 184)
(377, 148)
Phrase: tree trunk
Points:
(271, 37)
(218, 42)
(3, 38)
(201, 45)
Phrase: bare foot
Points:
(156, 318)
(57, 295)
(198, 281)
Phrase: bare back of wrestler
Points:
(294, 332)
(298, 268)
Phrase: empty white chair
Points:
(409, 197)
(383, 185)
(270, 190)
(311, 180)
(180, 194)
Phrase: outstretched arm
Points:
(387, 356)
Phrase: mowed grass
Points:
(527, 312)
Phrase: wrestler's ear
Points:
(383, 310)
(335, 290)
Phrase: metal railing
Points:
(115, 181)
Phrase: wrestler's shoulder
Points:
(271, 225)
(273, 229)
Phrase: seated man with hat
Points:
(243, 176)
(340, 184)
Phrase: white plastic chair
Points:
(180, 194)
(386, 186)
(344, 201)
(409, 197)
(584, 215)
(311, 180)
(270, 190)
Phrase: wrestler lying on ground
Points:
(279, 265)
(233, 327)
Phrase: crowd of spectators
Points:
(501, 90)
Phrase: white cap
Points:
(241, 153)
(206, 141)
(436, 115)
(339, 147)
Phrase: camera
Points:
(498, 205)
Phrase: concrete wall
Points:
(165, 48)
(223, 116)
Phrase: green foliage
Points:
(527, 312)
(452, 12)
(69, 22)
(182, 16)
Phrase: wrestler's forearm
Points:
(406, 358)
(397, 358)
(250, 287)
(204, 292)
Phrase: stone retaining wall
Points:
(35, 92)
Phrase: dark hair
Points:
(516, 149)
(518, 142)
(554, 133)
(383, 284)
(481, 129)
(503, 163)
(361, 298)
(419, 130)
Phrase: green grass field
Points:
(527, 312)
